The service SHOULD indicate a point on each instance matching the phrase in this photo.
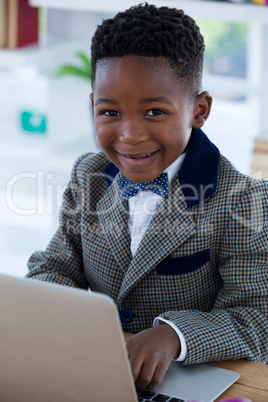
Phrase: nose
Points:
(133, 132)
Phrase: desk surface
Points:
(252, 383)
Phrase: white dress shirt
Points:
(142, 208)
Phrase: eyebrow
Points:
(105, 100)
(159, 99)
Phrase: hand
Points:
(150, 353)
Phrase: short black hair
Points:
(146, 30)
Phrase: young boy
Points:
(186, 263)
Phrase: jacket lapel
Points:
(198, 174)
(113, 215)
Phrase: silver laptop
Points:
(66, 345)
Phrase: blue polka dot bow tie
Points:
(158, 186)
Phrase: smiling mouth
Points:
(139, 157)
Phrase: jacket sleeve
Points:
(61, 262)
(237, 326)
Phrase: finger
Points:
(158, 376)
(144, 378)
(136, 361)
(138, 354)
(147, 373)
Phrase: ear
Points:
(202, 107)
(91, 99)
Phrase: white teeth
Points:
(140, 157)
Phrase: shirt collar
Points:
(175, 166)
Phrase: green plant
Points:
(82, 71)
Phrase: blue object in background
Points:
(35, 123)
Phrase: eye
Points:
(110, 113)
(155, 112)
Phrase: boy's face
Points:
(143, 117)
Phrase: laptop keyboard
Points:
(147, 395)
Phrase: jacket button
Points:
(126, 316)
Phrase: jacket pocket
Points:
(183, 265)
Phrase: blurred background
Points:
(46, 119)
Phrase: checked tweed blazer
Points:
(202, 263)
